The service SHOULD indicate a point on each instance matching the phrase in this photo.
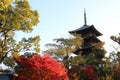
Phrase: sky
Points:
(57, 17)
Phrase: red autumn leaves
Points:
(39, 68)
(89, 73)
(46, 68)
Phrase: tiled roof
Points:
(81, 28)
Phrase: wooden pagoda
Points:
(89, 35)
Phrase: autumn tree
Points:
(16, 15)
(39, 67)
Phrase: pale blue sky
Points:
(57, 17)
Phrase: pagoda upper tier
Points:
(87, 31)
(89, 35)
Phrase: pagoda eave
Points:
(86, 29)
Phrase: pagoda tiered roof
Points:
(91, 39)
(86, 29)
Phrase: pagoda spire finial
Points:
(85, 22)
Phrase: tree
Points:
(16, 15)
(39, 67)
(110, 69)
(115, 56)
(63, 47)
(116, 39)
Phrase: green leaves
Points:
(5, 4)
(9, 62)
(65, 46)
(77, 60)
(17, 15)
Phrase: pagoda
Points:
(89, 35)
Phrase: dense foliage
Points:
(83, 73)
(88, 73)
(16, 15)
(63, 47)
(39, 68)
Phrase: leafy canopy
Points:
(16, 15)
(65, 46)
(39, 67)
